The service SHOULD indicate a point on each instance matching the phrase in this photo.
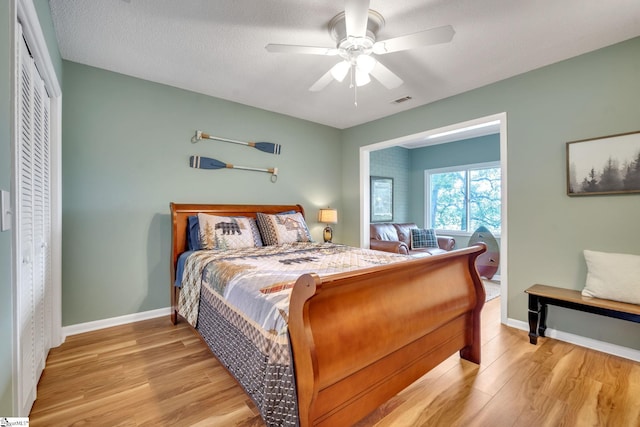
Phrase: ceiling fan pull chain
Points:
(351, 85)
(351, 76)
(355, 95)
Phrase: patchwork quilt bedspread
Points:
(238, 301)
(258, 281)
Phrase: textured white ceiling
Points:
(217, 47)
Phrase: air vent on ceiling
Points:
(401, 100)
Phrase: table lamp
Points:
(328, 216)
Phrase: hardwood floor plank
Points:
(543, 411)
(450, 401)
(152, 373)
(627, 413)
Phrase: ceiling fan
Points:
(354, 31)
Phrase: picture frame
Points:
(381, 199)
(604, 165)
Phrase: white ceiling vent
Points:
(401, 100)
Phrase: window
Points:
(463, 198)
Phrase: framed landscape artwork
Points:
(381, 199)
(604, 165)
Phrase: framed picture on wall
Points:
(604, 165)
(381, 199)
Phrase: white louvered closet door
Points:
(34, 225)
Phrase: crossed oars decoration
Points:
(267, 147)
(199, 162)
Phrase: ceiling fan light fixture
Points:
(362, 78)
(365, 63)
(340, 70)
(355, 32)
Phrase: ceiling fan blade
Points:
(322, 82)
(307, 50)
(340, 70)
(385, 76)
(356, 15)
(423, 38)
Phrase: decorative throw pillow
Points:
(612, 276)
(423, 238)
(221, 232)
(283, 228)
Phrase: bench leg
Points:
(542, 325)
(534, 316)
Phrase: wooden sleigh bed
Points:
(354, 344)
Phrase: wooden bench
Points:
(541, 295)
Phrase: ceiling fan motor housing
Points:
(349, 46)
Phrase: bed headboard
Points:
(181, 212)
(179, 218)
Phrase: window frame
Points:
(449, 169)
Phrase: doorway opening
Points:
(494, 124)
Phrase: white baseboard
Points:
(605, 347)
(113, 321)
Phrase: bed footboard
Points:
(360, 338)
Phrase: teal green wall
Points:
(126, 148)
(394, 162)
(6, 308)
(464, 152)
(591, 95)
(407, 166)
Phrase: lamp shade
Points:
(328, 216)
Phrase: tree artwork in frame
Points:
(604, 165)
(381, 199)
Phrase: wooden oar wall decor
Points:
(267, 147)
(199, 162)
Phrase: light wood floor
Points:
(152, 373)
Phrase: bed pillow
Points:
(193, 233)
(612, 276)
(222, 232)
(255, 232)
(283, 228)
(423, 238)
